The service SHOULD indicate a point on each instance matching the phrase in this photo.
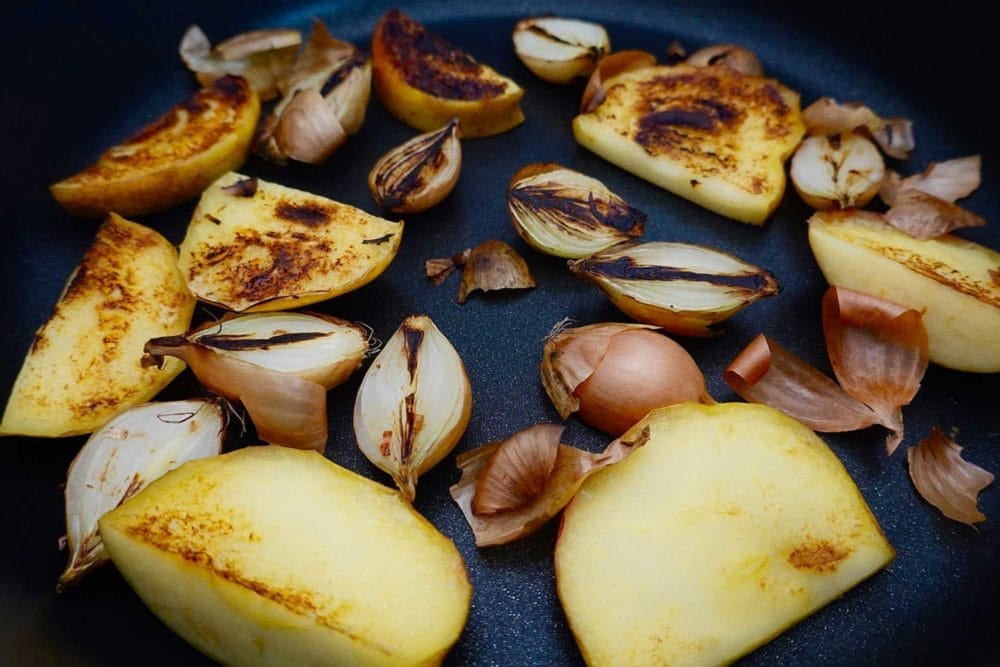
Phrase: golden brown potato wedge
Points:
(85, 364)
(170, 160)
(425, 82)
(274, 556)
(262, 246)
(708, 134)
(952, 281)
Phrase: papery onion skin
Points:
(878, 350)
(949, 180)
(764, 372)
(925, 216)
(518, 471)
(572, 467)
(493, 265)
(732, 56)
(641, 370)
(945, 479)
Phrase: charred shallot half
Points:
(680, 287)
(278, 365)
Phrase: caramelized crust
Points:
(707, 118)
(281, 247)
(170, 160)
(431, 64)
(425, 82)
(84, 364)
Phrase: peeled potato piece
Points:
(709, 134)
(274, 556)
(953, 282)
(271, 247)
(170, 160)
(731, 524)
(425, 82)
(85, 364)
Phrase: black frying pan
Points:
(81, 77)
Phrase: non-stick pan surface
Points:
(81, 76)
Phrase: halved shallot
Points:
(278, 365)
(122, 458)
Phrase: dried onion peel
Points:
(122, 458)
(491, 265)
(922, 205)
(520, 513)
(945, 479)
(262, 57)
(326, 94)
(878, 350)
(826, 117)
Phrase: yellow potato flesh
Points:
(275, 556)
(951, 281)
(425, 82)
(729, 525)
(172, 159)
(280, 247)
(85, 364)
(708, 134)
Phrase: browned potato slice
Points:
(425, 82)
(270, 247)
(84, 366)
(708, 134)
(732, 523)
(276, 556)
(952, 281)
(170, 160)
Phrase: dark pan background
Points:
(82, 76)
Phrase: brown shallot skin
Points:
(640, 371)
(945, 479)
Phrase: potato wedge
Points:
(277, 247)
(170, 160)
(274, 556)
(84, 366)
(425, 82)
(708, 134)
(953, 282)
(730, 524)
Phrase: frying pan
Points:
(82, 76)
